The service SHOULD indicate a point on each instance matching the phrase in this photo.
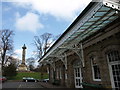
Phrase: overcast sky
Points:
(35, 17)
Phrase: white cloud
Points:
(29, 22)
(61, 9)
(18, 53)
(33, 53)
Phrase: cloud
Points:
(18, 53)
(61, 9)
(28, 22)
(33, 53)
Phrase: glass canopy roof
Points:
(99, 19)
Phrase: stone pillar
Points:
(23, 54)
(23, 66)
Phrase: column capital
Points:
(24, 47)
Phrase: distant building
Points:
(88, 53)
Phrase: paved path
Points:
(20, 85)
(49, 85)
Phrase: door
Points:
(78, 77)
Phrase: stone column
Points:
(23, 54)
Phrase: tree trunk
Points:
(3, 57)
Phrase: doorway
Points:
(78, 75)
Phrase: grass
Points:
(35, 75)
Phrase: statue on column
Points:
(23, 66)
(23, 54)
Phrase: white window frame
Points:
(66, 77)
(48, 70)
(77, 74)
(93, 72)
(110, 63)
(61, 73)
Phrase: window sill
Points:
(97, 80)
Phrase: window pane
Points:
(96, 72)
(77, 82)
(114, 56)
(116, 74)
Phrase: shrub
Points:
(9, 71)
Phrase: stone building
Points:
(88, 53)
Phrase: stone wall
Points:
(99, 48)
(99, 44)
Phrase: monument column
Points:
(23, 54)
(22, 66)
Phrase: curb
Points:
(14, 80)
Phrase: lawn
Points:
(36, 75)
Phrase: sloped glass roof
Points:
(99, 19)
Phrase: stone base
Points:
(22, 67)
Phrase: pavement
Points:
(20, 84)
(49, 85)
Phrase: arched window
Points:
(114, 68)
(113, 56)
(95, 69)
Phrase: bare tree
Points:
(42, 43)
(31, 63)
(6, 44)
(46, 37)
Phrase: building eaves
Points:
(108, 15)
